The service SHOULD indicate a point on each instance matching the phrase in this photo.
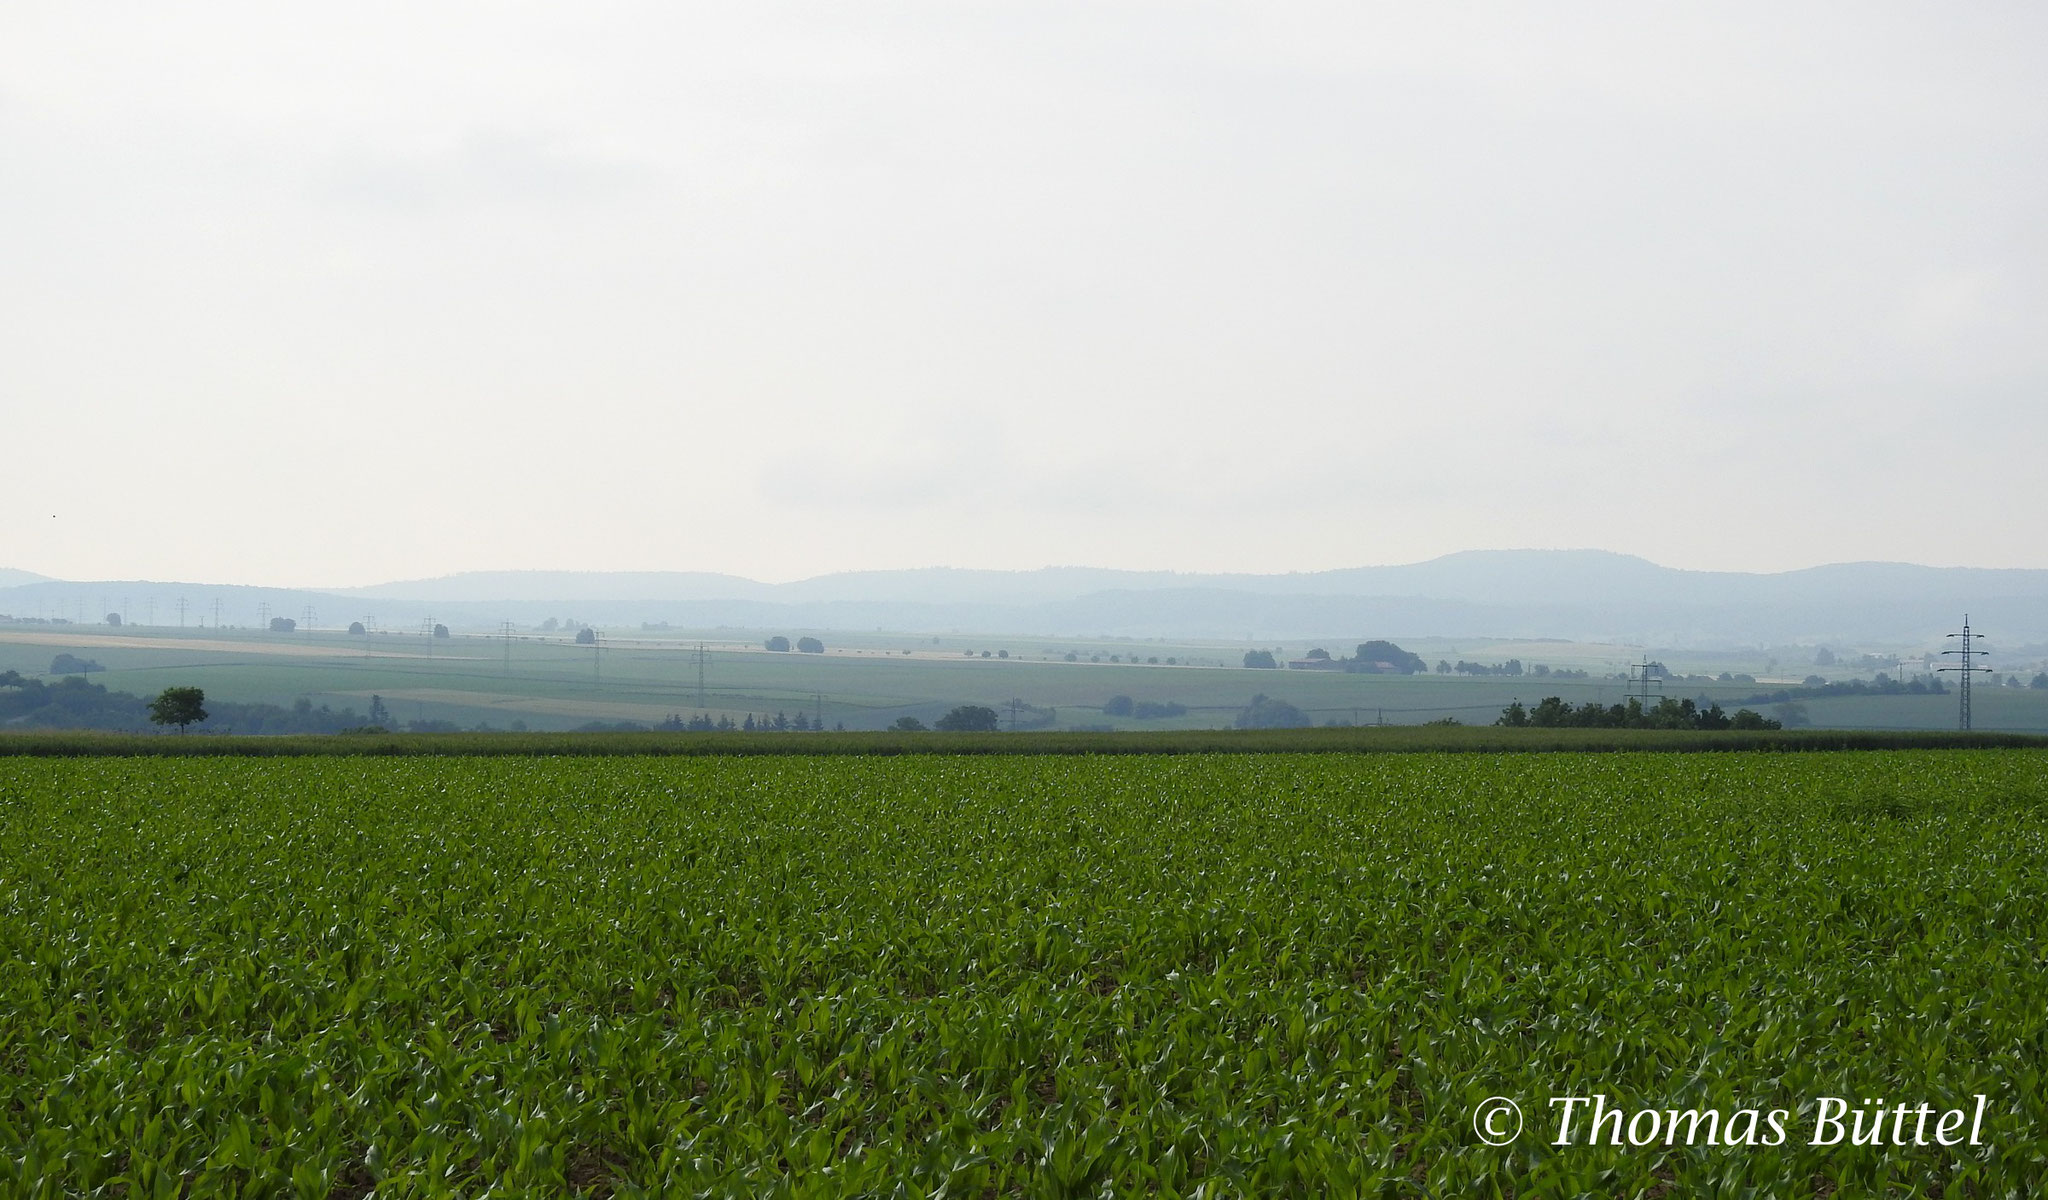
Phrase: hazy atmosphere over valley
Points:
(326, 299)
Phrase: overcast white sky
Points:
(327, 295)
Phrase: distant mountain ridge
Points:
(566, 586)
(1503, 593)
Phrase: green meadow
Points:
(1081, 975)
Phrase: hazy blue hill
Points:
(13, 577)
(91, 600)
(1869, 580)
(1531, 576)
(567, 587)
(1604, 578)
(1590, 594)
(955, 585)
(1586, 578)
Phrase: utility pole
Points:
(505, 631)
(216, 612)
(263, 615)
(309, 618)
(1967, 649)
(428, 628)
(181, 612)
(701, 657)
(597, 657)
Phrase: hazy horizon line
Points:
(1047, 567)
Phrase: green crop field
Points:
(1206, 975)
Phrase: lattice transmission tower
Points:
(1965, 650)
(1641, 679)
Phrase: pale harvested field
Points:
(116, 641)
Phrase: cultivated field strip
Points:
(1047, 976)
(1403, 739)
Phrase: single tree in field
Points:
(1377, 652)
(778, 644)
(1265, 713)
(969, 718)
(907, 725)
(178, 706)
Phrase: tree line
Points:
(781, 722)
(804, 645)
(1143, 710)
(965, 718)
(76, 703)
(1375, 657)
(1553, 712)
(1882, 685)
